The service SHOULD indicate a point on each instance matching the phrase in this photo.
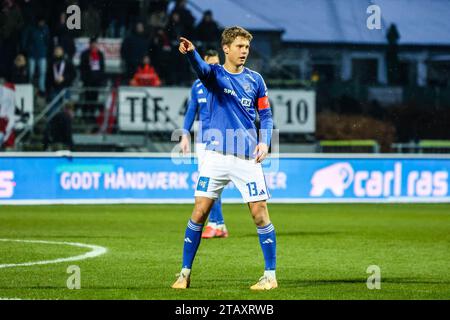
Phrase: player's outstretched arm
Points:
(202, 69)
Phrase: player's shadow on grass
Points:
(310, 283)
(294, 234)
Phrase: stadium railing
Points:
(31, 136)
(87, 126)
(109, 142)
(435, 143)
(44, 116)
(422, 146)
(357, 146)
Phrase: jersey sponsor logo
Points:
(202, 184)
(7, 184)
(246, 102)
(229, 91)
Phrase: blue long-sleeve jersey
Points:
(197, 105)
(233, 101)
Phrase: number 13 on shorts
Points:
(252, 189)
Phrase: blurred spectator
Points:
(92, 68)
(146, 75)
(29, 10)
(157, 15)
(158, 5)
(11, 20)
(11, 23)
(58, 132)
(161, 52)
(36, 42)
(7, 117)
(178, 69)
(91, 22)
(175, 28)
(134, 48)
(392, 59)
(64, 37)
(61, 73)
(116, 28)
(185, 17)
(157, 19)
(208, 32)
(19, 71)
(115, 19)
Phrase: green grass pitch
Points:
(323, 252)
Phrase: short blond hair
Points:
(231, 33)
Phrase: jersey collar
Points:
(233, 74)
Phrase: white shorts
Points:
(200, 150)
(217, 169)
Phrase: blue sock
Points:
(216, 212)
(212, 217)
(192, 239)
(268, 243)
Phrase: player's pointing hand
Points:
(185, 46)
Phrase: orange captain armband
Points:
(263, 103)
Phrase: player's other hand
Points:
(185, 144)
(185, 46)
(261, 152)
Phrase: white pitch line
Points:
(95, 252)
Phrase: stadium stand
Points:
(298, 45)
